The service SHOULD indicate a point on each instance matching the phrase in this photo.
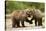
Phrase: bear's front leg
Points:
(36, 22)
(18, 23)
(22, 23)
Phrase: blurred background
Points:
(17, 5)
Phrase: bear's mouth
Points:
(29, 18)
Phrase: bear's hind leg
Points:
(13, 22)
(40, 22)
(14, 25)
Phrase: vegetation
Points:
(17, 5)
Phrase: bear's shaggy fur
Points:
(37, 15)
(19, 16)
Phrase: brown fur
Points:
(18, 16)
(37, 16)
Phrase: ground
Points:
(28, 26)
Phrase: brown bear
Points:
(19, 16)
(37, 16)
